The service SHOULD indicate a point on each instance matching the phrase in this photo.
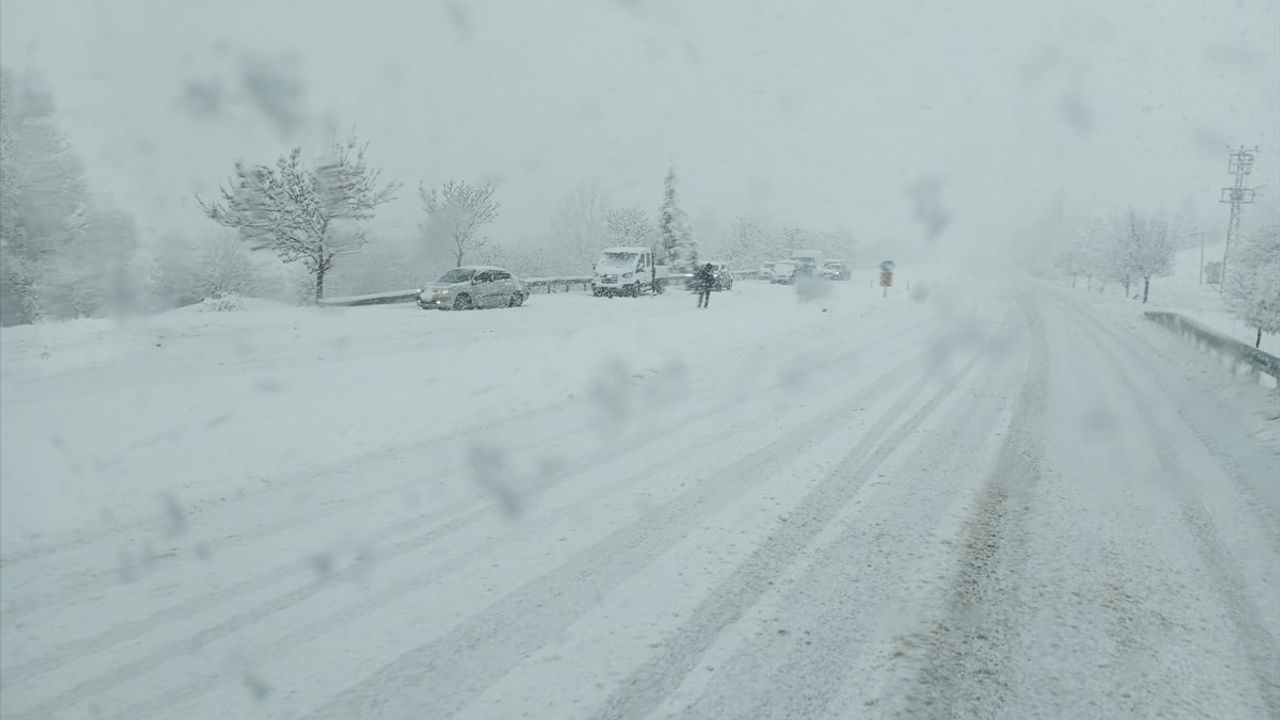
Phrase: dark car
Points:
(723, 279)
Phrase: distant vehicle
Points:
(835, 270)
(807, 262)
(626, 272)
(783, 273)
(723, 278)
(468, 288)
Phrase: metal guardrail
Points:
(387, 298)
(566, 284)
(553, 284)
(1237, 352)
(543, 284)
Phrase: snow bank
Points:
(105, 420)
(1182, 293)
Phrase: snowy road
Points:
(1002, 505)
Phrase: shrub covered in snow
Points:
(224, 303)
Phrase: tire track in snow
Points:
(290, 482)
(445, 674)
(1263, 509)
(966, 673)
(471, 512)
(306, 478)
(825, 424)
(650, 685)
(360, 463)
(1256, 642)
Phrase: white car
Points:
(467, 288)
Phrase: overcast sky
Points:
(819, 112)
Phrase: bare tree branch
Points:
(455, 212)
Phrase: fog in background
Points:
(920, 126)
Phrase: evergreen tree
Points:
(54, 262)
(679, 246)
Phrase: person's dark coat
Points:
(704, 279)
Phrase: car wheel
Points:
(516, 300)
(462, 302)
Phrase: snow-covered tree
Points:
(674, 229)
(794, 238)
(838, 243)
(579, 228)
(532, 258)
(15, 281)
(455, 213)
(686, 247)
(1252, 288)
(224, 268)
(630, 227)
(1144, 248)
(749, 242)
(1078, 257)
(312, 214)
(61, 254)
(97, 277)
(213, 265)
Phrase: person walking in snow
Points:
(703, 280)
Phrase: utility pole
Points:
(1200, 235)
(1239, 164)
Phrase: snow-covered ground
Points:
(951, 502)
(1183, 293)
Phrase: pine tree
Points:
(679, 245)
(15, 281)
(686, 246)
(51, 266)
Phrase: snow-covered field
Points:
(950, 502)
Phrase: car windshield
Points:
(618, 261)
(457, 275)
(362, 360)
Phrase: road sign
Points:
(886, 266)
(886, 279)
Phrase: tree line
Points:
(1133, 247)
(66, 252)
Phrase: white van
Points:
(626, 272)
